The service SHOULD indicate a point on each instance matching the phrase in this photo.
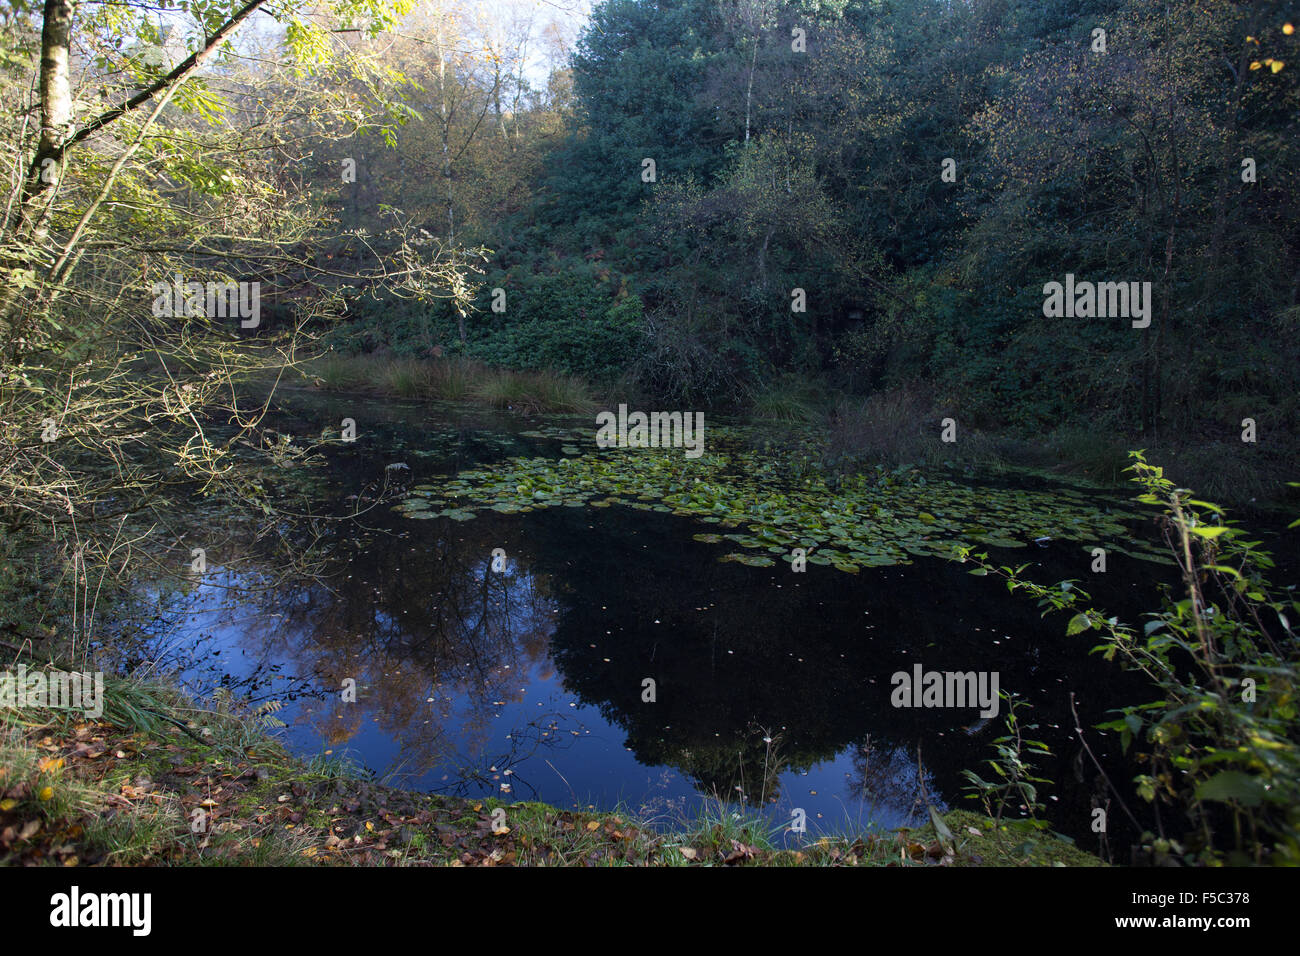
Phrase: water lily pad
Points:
(873, 519)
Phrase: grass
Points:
(77, 791)
(166, 782)
(533, 391)
(450, 379)
(792, 400)
(1088, 453)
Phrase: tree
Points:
(152, 222)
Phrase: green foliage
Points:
(402, 328)
(633, 71)
(791, 400)
(822, 172)
(1221, 745)
(1017, 785)
(578, 322)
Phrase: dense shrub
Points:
(580, 320)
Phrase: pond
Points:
(624, 630)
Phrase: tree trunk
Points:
(445, 116)
(30, 225)
(46, 170)
(749, 92)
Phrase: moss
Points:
(979, 841)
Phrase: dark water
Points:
(771, 688)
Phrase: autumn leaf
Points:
(740, 853)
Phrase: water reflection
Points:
(770, 689)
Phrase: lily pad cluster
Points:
(763, 515)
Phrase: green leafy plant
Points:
(1016, 783)
(1220, 744)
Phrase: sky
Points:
(544, 21)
